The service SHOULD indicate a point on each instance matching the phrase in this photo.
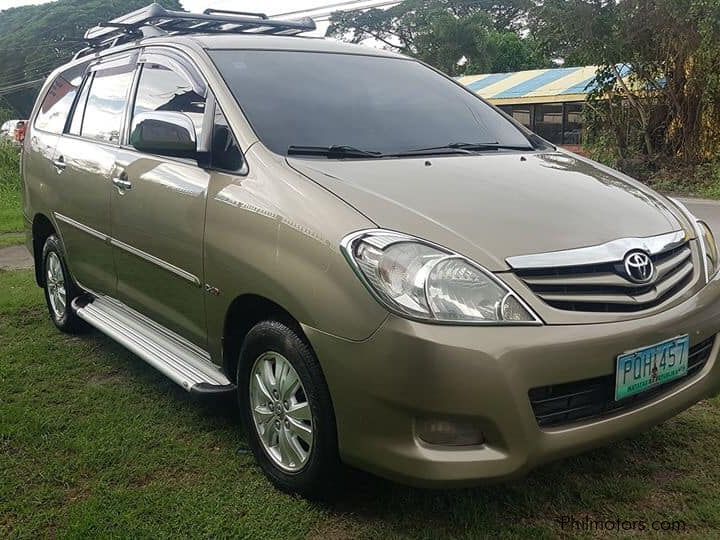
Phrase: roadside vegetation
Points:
(11, 220)
(95, 443)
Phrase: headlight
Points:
(706, 241)
(419, 280)
(710, 247)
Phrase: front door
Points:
(85, 160)
(158, 217)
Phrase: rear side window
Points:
(105, 106)
(57, 102)
(161, 89)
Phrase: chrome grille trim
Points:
(605, 288)
(612, 251)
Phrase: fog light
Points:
(449, 432)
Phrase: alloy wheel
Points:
(281, 411)
(55, 280)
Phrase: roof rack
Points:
(155, 20)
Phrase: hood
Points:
(492, 206)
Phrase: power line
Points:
(18, 87)
(321, 16)
(20, 73)
(318, 8)
(38, 71)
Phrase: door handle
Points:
(122, 183)
(59, 164)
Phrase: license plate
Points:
(642, 369)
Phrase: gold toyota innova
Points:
(386, 270)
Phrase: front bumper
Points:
(409, 370)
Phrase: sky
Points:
(268, 6)
(271, 7)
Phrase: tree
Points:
(36, 39)
(671, 52)
(444, 32)
(5, 115)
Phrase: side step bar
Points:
(179, 360)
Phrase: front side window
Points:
(161, 89)
(56, 105)
(103, 117)
(378, 104)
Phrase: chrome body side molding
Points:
(156, 261)
(81, 227)
(612, 251)
(192, 278)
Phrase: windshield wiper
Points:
(335, 151)
(462, 148)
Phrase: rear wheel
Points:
(287, 411)
(60, 290)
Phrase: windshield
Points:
(366, 103)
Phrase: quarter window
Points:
(226, 153)
(106, 104)
(79, 112)
(56, 105)
(161, 89)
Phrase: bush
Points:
(9, 167)
(701, 180)
(11, 219)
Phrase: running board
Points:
(179, 360)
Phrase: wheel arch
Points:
(244, 312)
(42, 229)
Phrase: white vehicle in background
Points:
(13, 131)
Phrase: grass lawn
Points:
(95, 443)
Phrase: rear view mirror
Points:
(165, 133)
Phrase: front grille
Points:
(603, 287)
(566, 403)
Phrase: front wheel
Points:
(286, 408)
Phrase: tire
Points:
(269, 345)
(60, 289)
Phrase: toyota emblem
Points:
(639, 267)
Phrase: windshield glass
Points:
(368, 103)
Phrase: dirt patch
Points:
(77, 494)
(15, 258)
(334, 529)
(177, 477)
(12, 239)
(114, 377)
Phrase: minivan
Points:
(385, 270)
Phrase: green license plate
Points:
(642, 369)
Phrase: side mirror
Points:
(165, 133)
